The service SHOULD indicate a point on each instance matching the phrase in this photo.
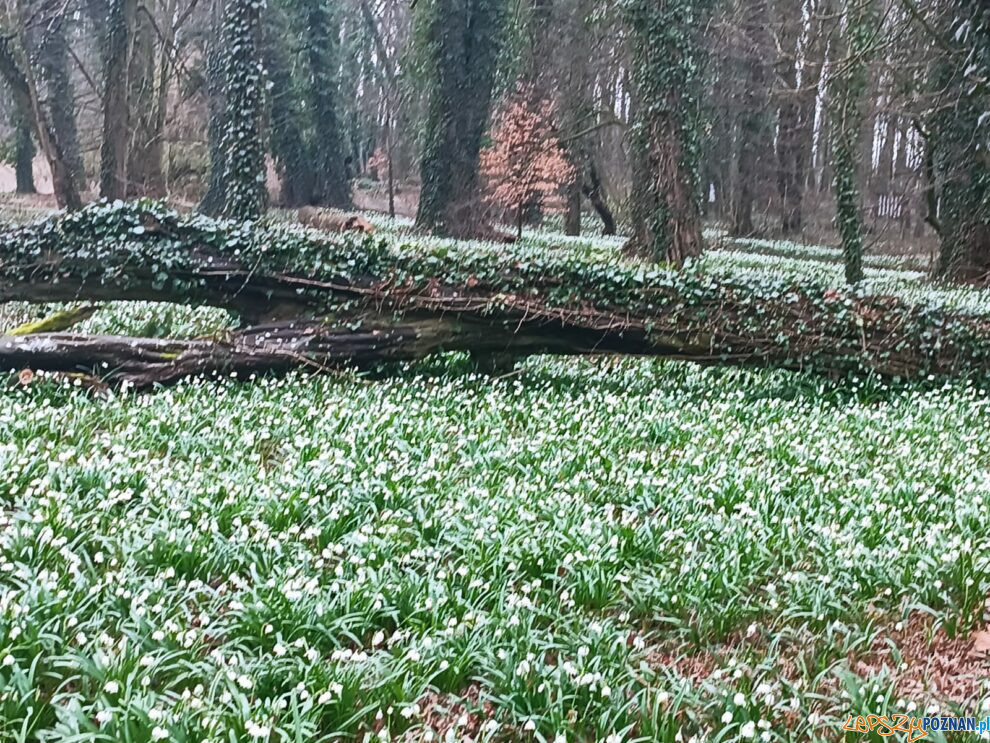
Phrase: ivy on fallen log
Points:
(335, 299)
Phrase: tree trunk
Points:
(572, 217)
(667, 66)
(246, 193)
(790, 173)
(960, 163)
(23, 153)
(754, 121)
(314, 301)
(120, 21)
(464, 42)
(290, 152)
(53, 53)
(570, 69)
(593, 190)
(321, 32)
(20, 79)
(848, 93)
(145, 151)
(212, 202)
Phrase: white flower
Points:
(726, 717)
(377, 639)
(748, 730)
(111, 687)
(606, 691)
(245, 682)
(104, 716)
(257, 731)
(529, 726)
(279, 650)
(159, 733)
(8, 660)
(739, 700)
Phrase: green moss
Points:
(54, 323)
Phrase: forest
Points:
(505, 370)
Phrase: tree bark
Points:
(572, 217)
(667, 64)
(23, 153)
(960, 163)
(848, 89)
(246, 192)
(54, 63)
(464, 37)
(796, 93)
(212, 202)
(120, 20)
(293, 158)
(593, 190)
(145, 151)
(20, 79)
(360, 304)
(320, 32)
(754, 122)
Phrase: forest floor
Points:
(581, 550)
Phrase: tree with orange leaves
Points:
(526, 163)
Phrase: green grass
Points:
(585, 550)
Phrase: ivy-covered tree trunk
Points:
(288, 144)
(120, 20)
(667, 60)
(320, 33)
(462, 40)
(53, 56)
(754, 124)
(960, 142)
(847, 93)
(245, 190)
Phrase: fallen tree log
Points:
(312, 299)
(142, 362)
